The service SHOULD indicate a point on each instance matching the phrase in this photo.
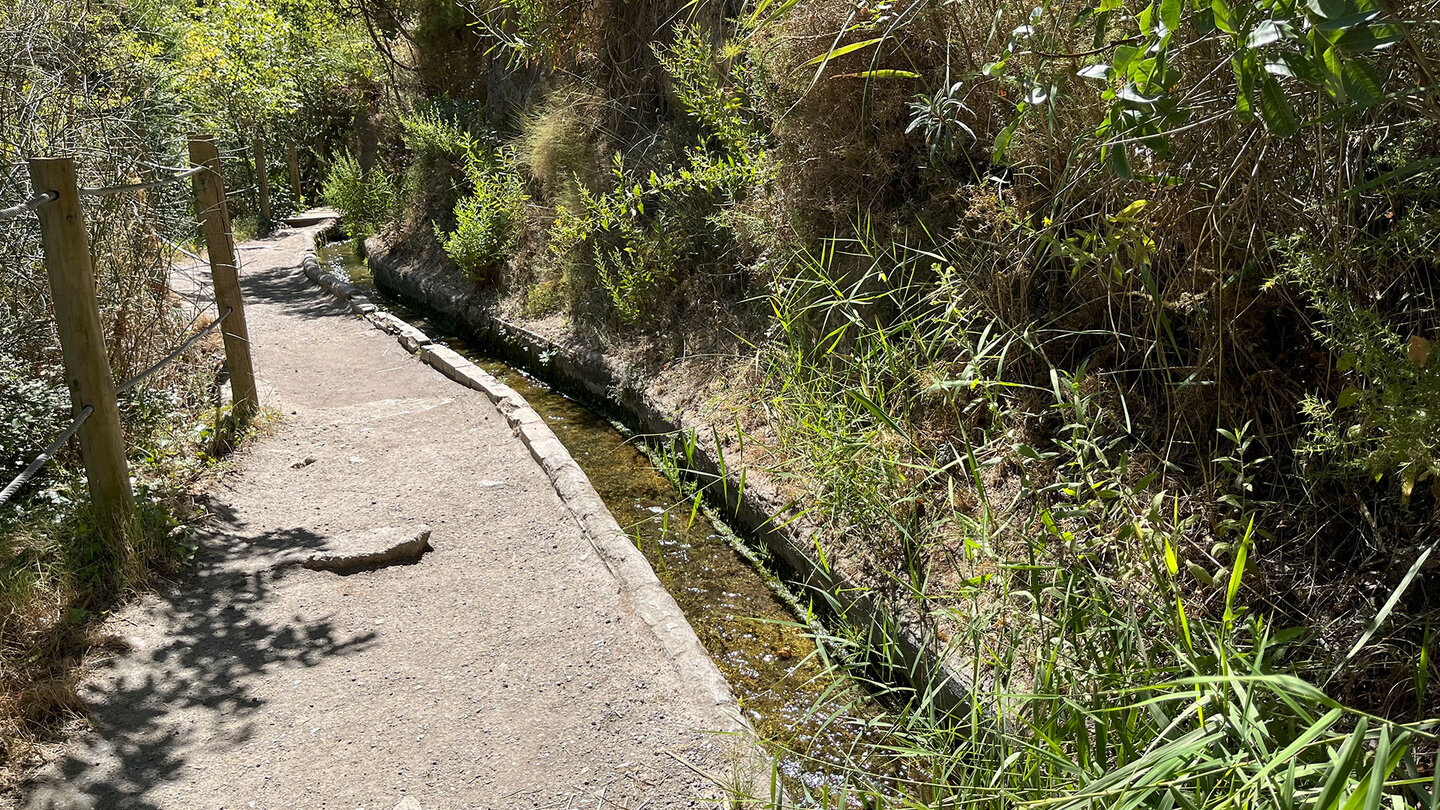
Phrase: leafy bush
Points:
(363, 203)
(1384, 422)
(487, 218)
(714, 98)
(429, 135)
(637, 236)
(648, 229)
(439, 148)
(30, 409)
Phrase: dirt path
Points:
(505, 669)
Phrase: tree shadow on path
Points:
(204, 643)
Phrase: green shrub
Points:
(486, 220)
(428, 135)
(1384, 420)
(364, 203)
(714, 98)
(30, 413)
(440, 146)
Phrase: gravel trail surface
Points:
(505, 669)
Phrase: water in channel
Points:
(739, 614)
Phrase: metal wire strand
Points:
(44, 458)
(109, 190)
(49, 453)
(142, 376)
(29, 205)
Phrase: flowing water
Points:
(745, 617)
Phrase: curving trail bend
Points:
(507, 668)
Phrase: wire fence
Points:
(175, 175)
(27, 206)
(109, 190)
(179, 350)
(45, 455)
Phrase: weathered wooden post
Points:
(87, 366)
(262, 180)
(295, 175)
(214, 216)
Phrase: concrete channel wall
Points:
(758, 513)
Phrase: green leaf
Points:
(1378, 771)
(1368, 38)
(1348, 397)
(1275, 109)
(1184, 623)
(1287, 756)
(1295, 66)
(1029, 452)
(1341, 766)
(1350, 20)
(1269, 31)
(1328, 9)
(1125, 56)
(1334, 72)
(1361, 83)
(880, 74)
(1170, 11)
(1146, 19)
(836, 53)
(1132, 210)
(1119, 161)
(1002, 141)
(1245, 87)
(1237, 572)
(1398, 174)
(1389, 606)
(878, 412)
(1224, 17)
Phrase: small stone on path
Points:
(364, 551)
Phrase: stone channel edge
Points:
(931, 666)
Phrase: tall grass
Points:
(1217, 721)
(1002, 501)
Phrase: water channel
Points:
(744, 616)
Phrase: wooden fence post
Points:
(214, 216)
(87, 366)
(262, 180)
(295, 175)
